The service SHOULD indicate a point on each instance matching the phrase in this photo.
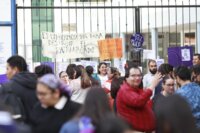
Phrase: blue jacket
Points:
(191, 92)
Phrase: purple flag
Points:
(3, 78)
(180, 56)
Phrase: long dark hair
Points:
(71, 71)
(115, 86)
(85, 79)
(115, 72)
(89, 70)
(96, 104)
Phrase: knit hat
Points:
(54, 83)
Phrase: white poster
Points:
(5, 47)
(148, 54)
(94, 64)
(119, 64)
(61, 66)
(185, 54)
(69, 46)
(159, 62)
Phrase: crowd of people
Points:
(164, 100)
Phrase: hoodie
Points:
(23, 84)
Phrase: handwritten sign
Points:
(69, 46)
(137, 40)
(110, 48)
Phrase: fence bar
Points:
(197, 44)
(68, 18)
(119, 19)
(176, 22)
(97, 15)
(162, 23)
(104, 16)
(169, 23)
(148, 26)
(137, 20)
(76, 16)
(102, 7)
(24, 31)
(112, 16)
(183, 26)
(126, 41)
(16, 25)
(83, 18)
(133, 15)
(46, 15)
(189, 26)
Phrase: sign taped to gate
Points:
(110, 48)
(69, 46)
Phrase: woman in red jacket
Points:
(133, 102)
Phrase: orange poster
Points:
(110, 48)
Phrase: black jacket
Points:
(23, 84)
(50, 120)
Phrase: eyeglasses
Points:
(136, 76)
(169, 85)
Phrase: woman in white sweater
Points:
(80, 85)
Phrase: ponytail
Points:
(85, 80)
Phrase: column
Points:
(154, 40)
(197, 47)
(182, 38)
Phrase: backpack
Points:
(14, 103)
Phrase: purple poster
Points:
(51, 64)
(180, 56)
(3, 78)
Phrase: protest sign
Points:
(61, 66)
(69, 46)
(110, 48)
(3, 78)
(94, 64)
(180, 56)
(85, 63)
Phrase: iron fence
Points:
(175, 24)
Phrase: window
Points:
(42, 20)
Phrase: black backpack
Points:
(13, 102)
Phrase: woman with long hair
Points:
(80, 85)
(93, 110)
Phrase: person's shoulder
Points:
(74, 105)
(146, 75)
(71, 126)
(6, 87)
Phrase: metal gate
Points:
(162, 25)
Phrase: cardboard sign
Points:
(110, 48)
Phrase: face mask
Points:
(153, 71)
